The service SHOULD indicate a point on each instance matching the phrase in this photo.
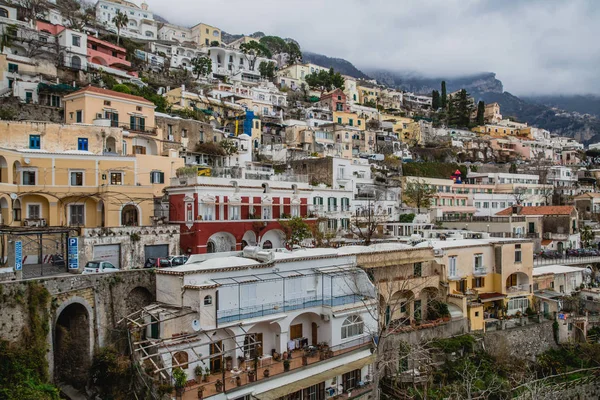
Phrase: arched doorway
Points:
(4, 212)
(76, 62)
(267, 244)
(3, 170)
(220, 242)
(111, 145)
(561, 247)
(210, 247)
(136, 299)
(130, 216)
(72, 345)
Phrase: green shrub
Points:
(406, 218)
(122, 88)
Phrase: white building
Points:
(564, 279)
(564, 180)
(241, 313)
(177, 33)
(180, 56)
(235, 65)
(141, 23)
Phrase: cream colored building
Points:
(205, 35)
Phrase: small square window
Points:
(116, 178)
(34, 142)
(477, 313)
(29, 178)
(82, 144)
(76, 178)
(138, 108)
(106, 102)
(13, 67)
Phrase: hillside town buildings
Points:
(313, 221)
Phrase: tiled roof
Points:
(106, 92)
(539, 210)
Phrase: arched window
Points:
(3, 13)
(267, 244)
(210, 247)
(180, 359)
(352, 326)
(207, 300)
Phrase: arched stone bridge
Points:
(84, 311)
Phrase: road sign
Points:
(18, 255)
(73, 253)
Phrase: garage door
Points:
(108, 252)
(156, 251)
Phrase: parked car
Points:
(151, 262)
(172, 261)
(57, 260)
(98, 267)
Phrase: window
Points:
(34, 142)
(207, 300)
(478, 263)
(139, 150)
(34, 211)
(452, 266)
(418, 269)
(478, 282)
(76, 214)
(76, 41)
(339, 120)
(116, 178)
(76, 178)
(28, 178)
(157, 177)
(518, 254)
(13, 67)
(486, 204)
(28, 96)
(234, 212)
(82, 144)
(79, 116)
(352, 326)
(266, 212)
(137, 123)
(350, 380)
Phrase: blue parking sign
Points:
(18, 255)
(73, 253)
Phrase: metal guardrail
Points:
(224, 316)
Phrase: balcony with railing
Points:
(242, 313)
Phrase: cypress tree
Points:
(480, 113)
(444, 102)
(435, 100)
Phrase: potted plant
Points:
(286, 365)
(238, 381)
(200, 392)
(199, 372)
(219, 386)
(206, 374)
(180, 378)
(304, 359)
(251, 375)
(240, 359)
(266, 373)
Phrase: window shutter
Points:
(152, 177)
(474, 282)
(482, 282)
(162, 177)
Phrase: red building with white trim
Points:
(219, 214)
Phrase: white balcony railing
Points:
(518, 288)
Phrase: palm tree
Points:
(120, 20)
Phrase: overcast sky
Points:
(534, 46)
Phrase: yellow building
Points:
(294, 75)
(205, 35)
(492, 278)
(500, 131)
(90, 104)
(368, 92)
(350, 119)
(407, 129)
(60, 175)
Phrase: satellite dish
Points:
(196, 325)
(27, 161)
(14, 196)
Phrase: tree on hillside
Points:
(418, 194)
(294, 53)
(587, 235)
(459, 110)
(201, 66)
(267, 70)
(277, 45)
(435, 100)
(76, 13)
(253, 50)
(120, 20)
(444, 99)
(480, 113)
(324, 81)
